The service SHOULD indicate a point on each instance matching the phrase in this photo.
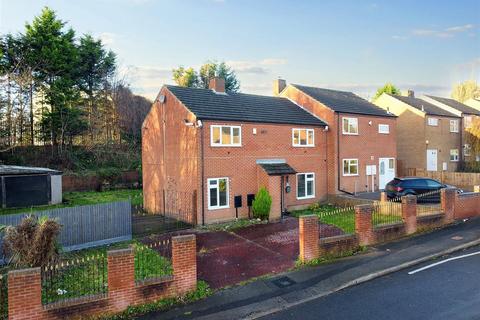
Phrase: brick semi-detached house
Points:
(222, 146)
(468, 116)
(428, 136)
(361, 137)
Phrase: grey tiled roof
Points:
(343, 101)
(208, 105)
(277, 169)
(425, 106)
(456, 105)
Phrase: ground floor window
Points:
(305, 185)
(350, 167)
(218, 193)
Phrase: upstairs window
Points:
(226, 136)
(384, 128)
(350, 167)
(302, 137)
(454, 155)
(217, 193)
(305, 185)
(350, 125)
(453, 125)
(432, 122)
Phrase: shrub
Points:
(262, 204)
(32, 243)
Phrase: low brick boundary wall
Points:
(25, 291)
(453, 206)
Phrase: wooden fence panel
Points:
(460, 179)
(85, 226)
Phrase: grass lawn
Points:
(344, 218)
(73, 199)
(86, 271)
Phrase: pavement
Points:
(447, 289)
(275, 294)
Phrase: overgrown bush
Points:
(262, 204)
(32, 243)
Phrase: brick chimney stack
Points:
(278, 85)
(217, 84)
(409, 93)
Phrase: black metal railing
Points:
(336, 221)
(153, 260)
(385, 213)
(75, 278)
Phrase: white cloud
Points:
(108, 38)
(443, 33)
(255, 67)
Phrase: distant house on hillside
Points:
(428, 136)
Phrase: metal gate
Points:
(174, 210)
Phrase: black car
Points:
(399, 187)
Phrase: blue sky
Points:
(348, 45)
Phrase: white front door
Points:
(432, 160)
(386, 171)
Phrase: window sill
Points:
(303, 146)
(349, 134)
(351, 175)
(218, 208)
(304, 198)
(226, 145)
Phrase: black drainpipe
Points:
(338, 156)
(202, 173)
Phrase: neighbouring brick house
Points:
(428, 136)
(468, 116)
(222, 145)
(361, 137)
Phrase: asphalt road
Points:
(447, 291)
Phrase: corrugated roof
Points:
(456, 105)
(6, 170)
(208, 105)
(424, 106)
(343, 101)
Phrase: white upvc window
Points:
(350, 167)
(303, 137)
(218, 193)
(453, 154)
(384, 128)
(467, 120)
(226, 136)
(350, 125)
(305, 185)
(453, 125)
(466, 149)
(432, 122)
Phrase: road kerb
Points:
(366, 278)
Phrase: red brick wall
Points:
(364, 225)
(272, 141)
(368, 146)
(308, 238)
(24, 286)
(169, 151)
(467, 205)
(409, 213)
